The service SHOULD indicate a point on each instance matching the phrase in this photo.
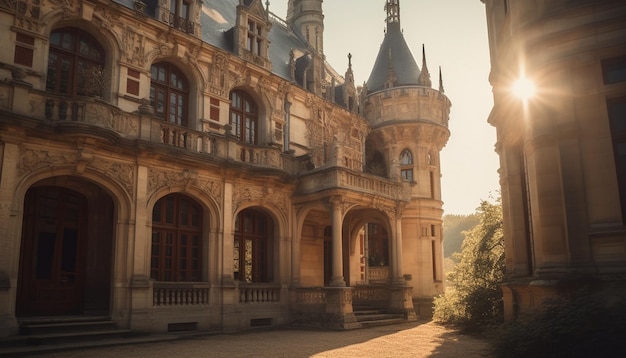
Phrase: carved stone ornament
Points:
(122, 173)
(34, 159)
(158, 179)
(265, 195)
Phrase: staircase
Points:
(45, 335)
(374, 316)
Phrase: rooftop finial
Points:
(424, 78)
(393, 12)
(440, 81)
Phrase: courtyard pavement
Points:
(416, 339)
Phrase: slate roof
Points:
(402, 62)
(219, 17)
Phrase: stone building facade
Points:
(562, 158)
(189, 164)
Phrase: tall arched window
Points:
(169, 93)
(75, 63)
(378, 245)
(244, 117)
(406, 165)
(252, 257)
(176, 239)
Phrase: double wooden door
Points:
(52, 262)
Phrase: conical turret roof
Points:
(395, 64)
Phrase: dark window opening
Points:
(75, 64)
(169, 93)
(176, 240)
(614, 70)
(252, 257)
(244, 117)
(617, 118)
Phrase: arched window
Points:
(169, 93)
(377, 245)
(406, 165)
(176, 239)
(252, 257)
(244, 117)
(75, 63)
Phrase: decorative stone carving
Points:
(134, 47)
(211, 187)
(34, 159)
(119, 172)
(265, 195)
(158, 179)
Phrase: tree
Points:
(453, 228)
(473, 297)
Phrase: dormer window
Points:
(179, 16)
(255, 38)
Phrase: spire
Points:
(395, 64)
(349, 73)
(393, 13)
(424, 79)
(441, 82)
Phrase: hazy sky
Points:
(454, 33)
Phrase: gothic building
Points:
(562, 151)
(198, 165)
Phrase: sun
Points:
(524, 88)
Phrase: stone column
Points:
(337, 279)
(10, 238)
(139, 254)
(398, 273)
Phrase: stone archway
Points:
(66, 249)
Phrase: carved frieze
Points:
(34, 159)
(265, 195)
(119, 172)
(113, 120)
(158, 179)
(134, 47)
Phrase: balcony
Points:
(97, 118)
(343, 178)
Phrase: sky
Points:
(455, 36)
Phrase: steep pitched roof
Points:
(394, 58)
(218, 19)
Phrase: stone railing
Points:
(338, 177)
(371, 295)
(95, 113)
(311, 296)
(378, 273)
(256, 293)
(186, 138)
(173, 294)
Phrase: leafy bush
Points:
(473, 297)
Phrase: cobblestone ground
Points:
(421, 339)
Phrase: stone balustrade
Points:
(169, 294)
(259, 293)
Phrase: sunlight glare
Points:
(524, 88)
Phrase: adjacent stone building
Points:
(188, 164)
(562, 151)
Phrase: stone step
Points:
(382, 322)
(50, 334)
(37, 328)
(378, 317)
(23, 350)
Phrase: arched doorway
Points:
(66, 252)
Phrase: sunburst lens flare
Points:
(524, 89)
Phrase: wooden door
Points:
(52, 260)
